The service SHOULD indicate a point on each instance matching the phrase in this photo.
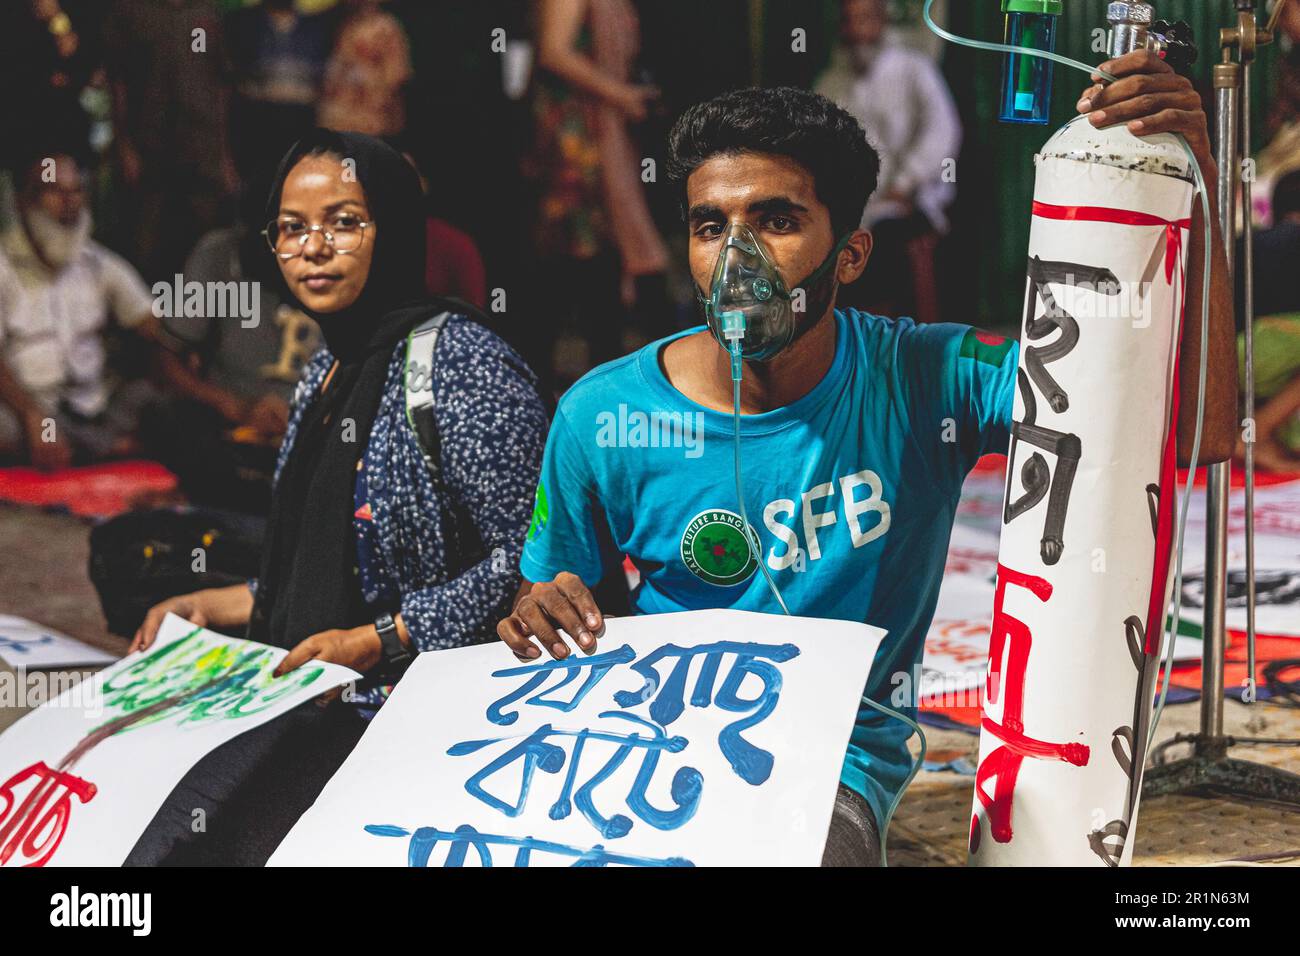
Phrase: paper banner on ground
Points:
(697, 738)
(957, 645)
(1277, 560)
(83, 774)
(31, 646)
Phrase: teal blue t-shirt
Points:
(852, 488)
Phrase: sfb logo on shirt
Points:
(715, 549)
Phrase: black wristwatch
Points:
(395, 653)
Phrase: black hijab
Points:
(308, 580)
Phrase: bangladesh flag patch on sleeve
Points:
(985, 347)
(541, 513)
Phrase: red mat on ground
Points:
(96, 491)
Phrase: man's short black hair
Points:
(1286, 196)
(808, 128)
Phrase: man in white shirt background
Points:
(899, 96)
(60, 293)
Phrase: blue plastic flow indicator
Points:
(1027, 80)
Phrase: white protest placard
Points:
(82, 775)
(1277, 560)
(696, 738)
(33, 646)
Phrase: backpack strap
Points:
(420, 345)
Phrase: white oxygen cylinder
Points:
(1085, 545)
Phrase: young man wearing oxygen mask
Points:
(856, 431)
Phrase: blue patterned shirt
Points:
(443, 551)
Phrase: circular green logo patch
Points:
(715, 549)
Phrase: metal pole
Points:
(1227, 81)
(1209, 768)
(1248, 282)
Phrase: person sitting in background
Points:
(234, 379)
(60, 291)
(1277, 334)
(901, 100)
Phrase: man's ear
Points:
(854, 256)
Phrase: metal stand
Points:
(1209, 768)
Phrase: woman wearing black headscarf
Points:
(372, 552)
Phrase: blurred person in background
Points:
(1277, 333)
(1277, 252)
(52, 55)
(599, 252)
(1282, 152)
(471, 127)
(452, 265)
(60, 293)
(277, 60)
(900, 98)
(232, 381)
(170, 102)
(367, 73)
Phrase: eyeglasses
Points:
(287, 237)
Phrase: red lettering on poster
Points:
(34, 828)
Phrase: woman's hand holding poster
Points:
(82, 775)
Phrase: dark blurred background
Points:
(516, 147)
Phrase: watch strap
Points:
(394, 651)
